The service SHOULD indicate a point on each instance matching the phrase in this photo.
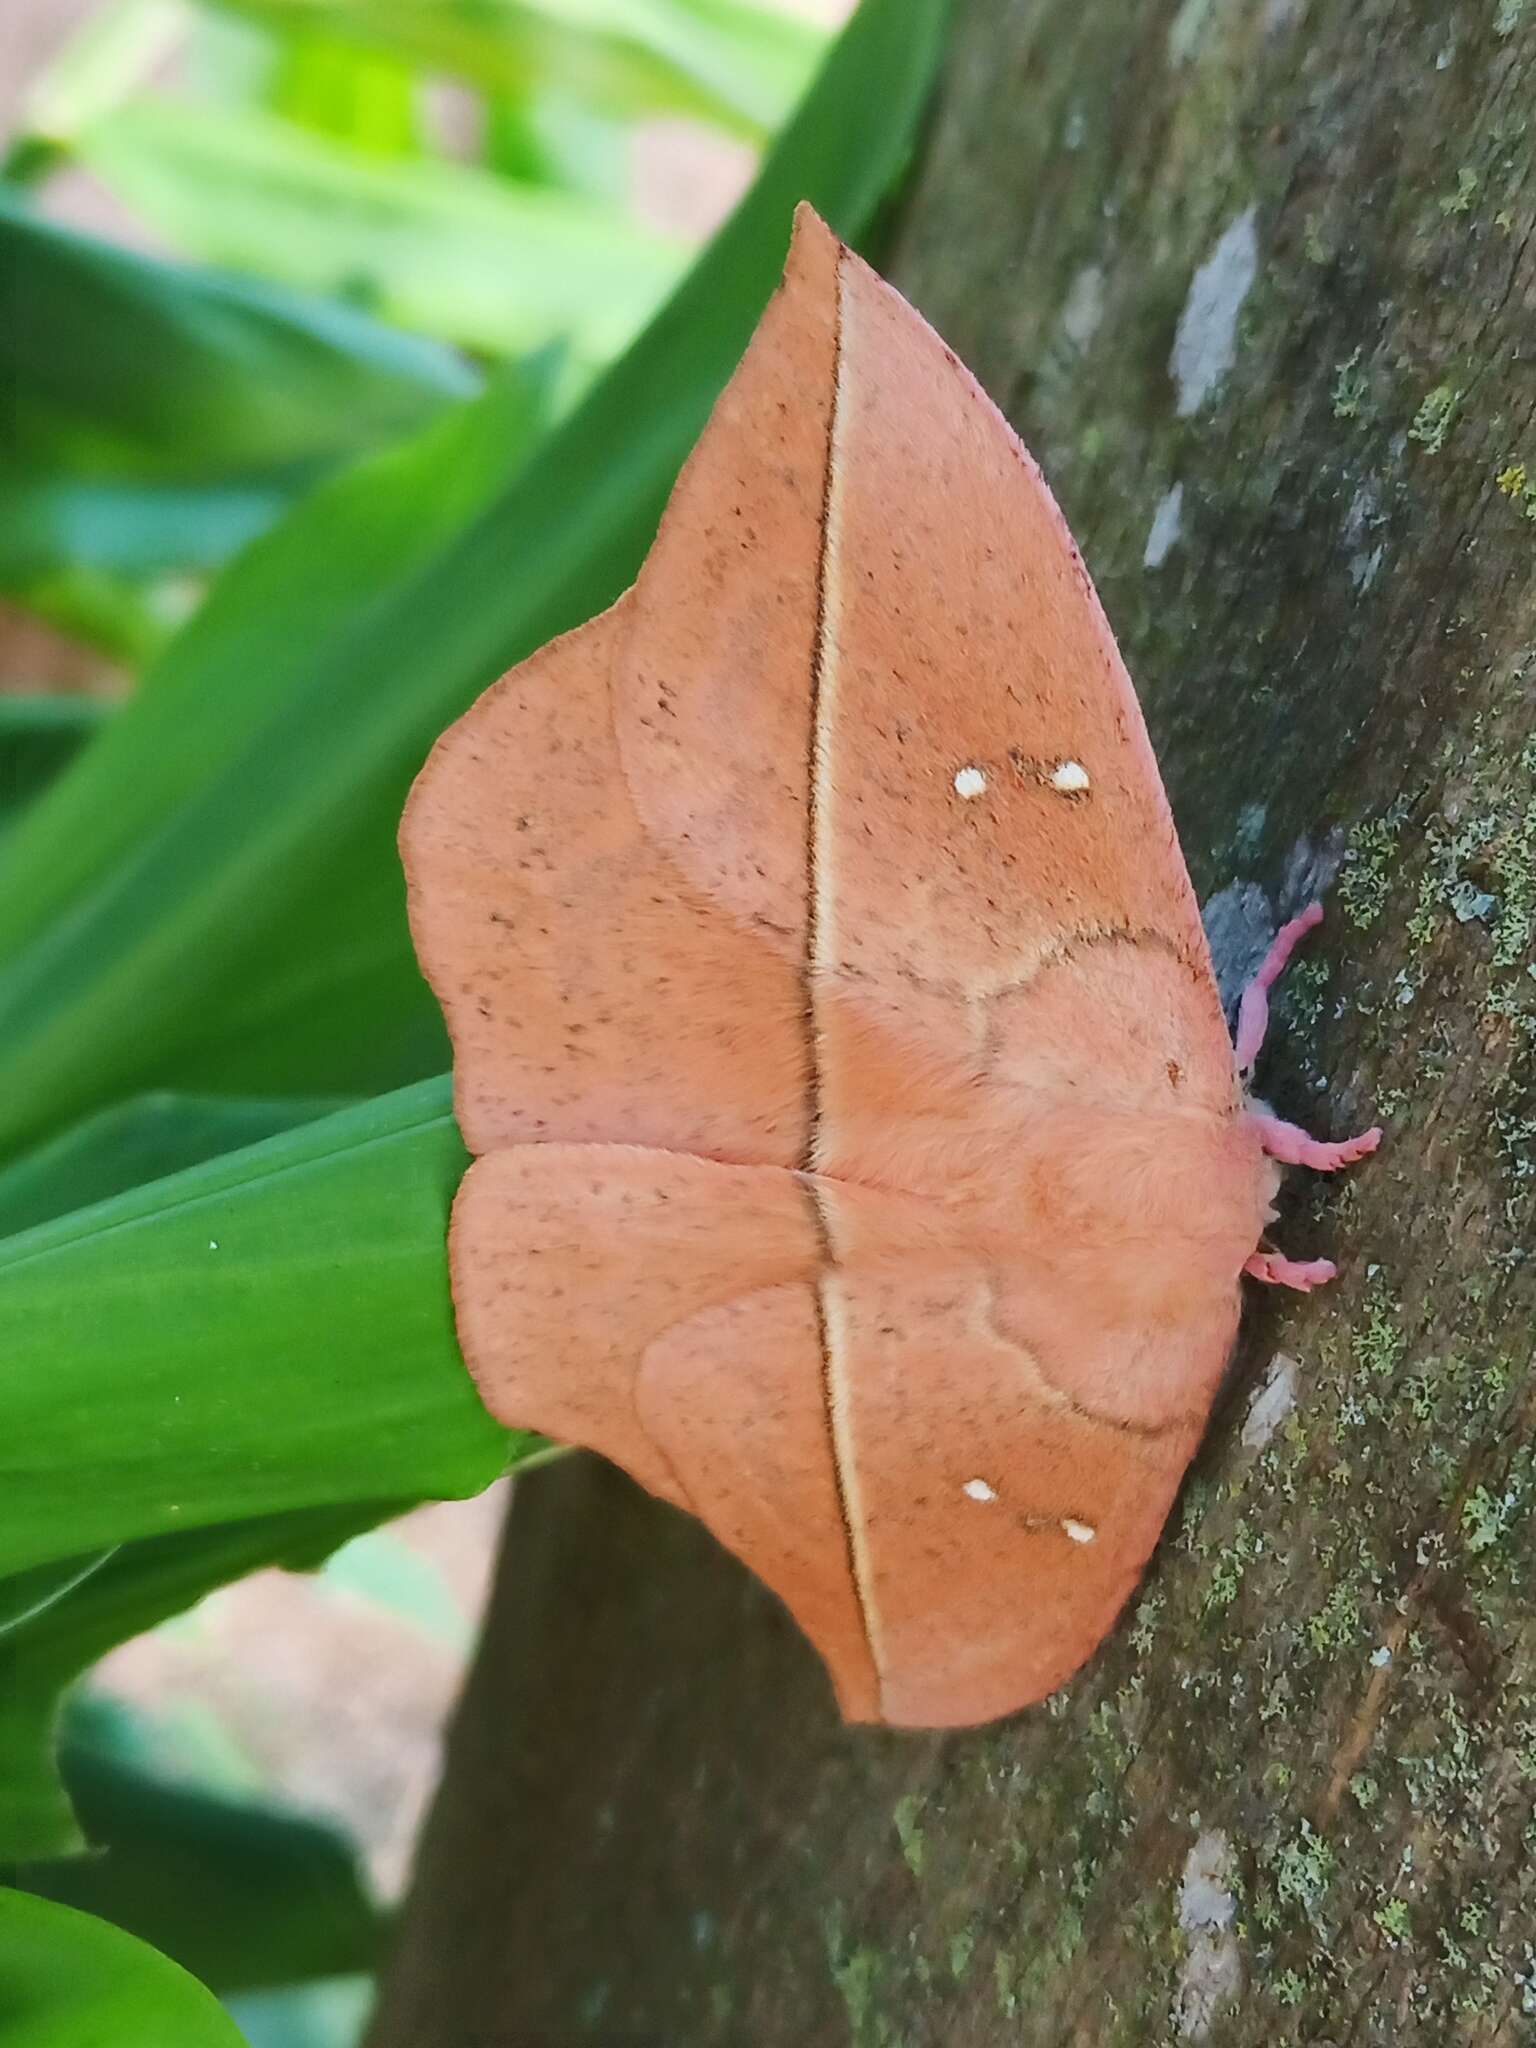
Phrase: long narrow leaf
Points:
(728, 61)
(269, 1331)
(158, 417)
(134, 1142)
(249, 735)
(439, 247)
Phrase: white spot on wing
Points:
(970, 782)
(1080, 1532)
(1070, 777)
(978, 1489)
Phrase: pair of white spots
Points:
(1069, 777)
(979, 1490)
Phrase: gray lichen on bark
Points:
(1255, 279)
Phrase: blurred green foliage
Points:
(218, 401)
(226, 1143)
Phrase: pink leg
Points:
(1288, 1142)
(1279, 1271)
(1253, 1010)
(1292, 1147)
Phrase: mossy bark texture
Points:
(1256, 279)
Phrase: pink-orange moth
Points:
(862, 1159)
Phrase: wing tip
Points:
(810, 225)
(816, 253)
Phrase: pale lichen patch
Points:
(1211, 1979)
(1205, 343)
(1272, 1403)
(1167, 522)
(1084, 307)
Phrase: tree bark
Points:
(1255, 280)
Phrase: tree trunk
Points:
(1255, 280)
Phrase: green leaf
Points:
(358, 95)
(220, 867)
(548, 139)
(271, 1330)
(101, 1601)
(134, 1142)
(69, 1981)
(726, 61)
(242, 1894)
(129, 621)
(159, 417)
(26, 1596)
(38, 737)
(248, 735)
(438, 247)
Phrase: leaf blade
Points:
(311, 1362)
(71, 1979)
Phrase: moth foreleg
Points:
(1279, 1271)
(1291, 1145)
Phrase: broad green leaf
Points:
(159, 417)
(70, 1981)
(730, 62)
(443, 248)
(38, 737)
(220, 867)
(240, 1892)
(126, 1592)
(271, 1330)
(141, 1140)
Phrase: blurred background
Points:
(497, 179)
(434, 194)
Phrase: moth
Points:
(862, 1160)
